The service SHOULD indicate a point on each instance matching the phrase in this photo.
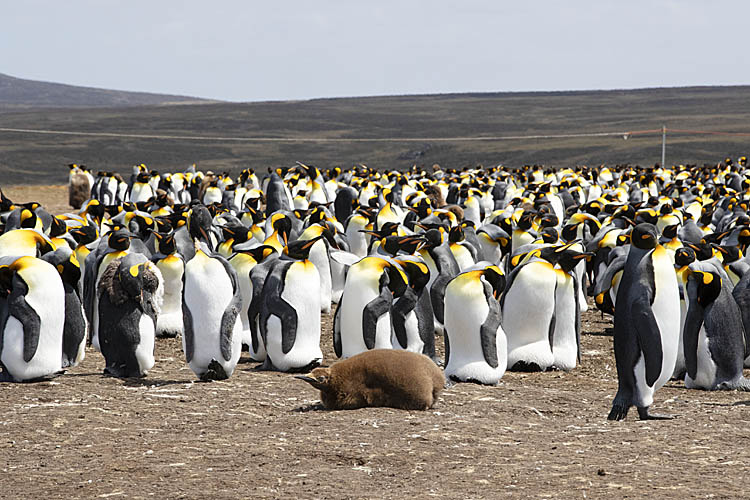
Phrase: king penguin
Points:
(171, 265)
(131, 290)
(212, 341)
(646, 333)
(413, 323)
(363, 320)
(290, 314)
(32, 318)
(475, 343)
(74, 331)
(714, 342)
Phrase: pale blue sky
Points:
(250, 51)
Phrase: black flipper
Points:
(488, 330)
(578, 317)
(189, 333)
(374, 310)
(400, 310)
(274, 305)
(426, 322)
(648, 337)
(229, 318)
(552, 323)
(337, 329)
(21, 310)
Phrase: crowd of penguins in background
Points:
(499, 261)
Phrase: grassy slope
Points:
(41, 159)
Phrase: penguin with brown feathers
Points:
(380, 377)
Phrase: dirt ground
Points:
(265, 435)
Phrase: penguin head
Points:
(260, 253)
(495, 277)
(670, 231)
(684, 256)
(57, 227)
(300, 249)
(550, 235)
(703, 250)
(395, 279)
(417, 273)
(644, 236)
(84, 234)
(119, 240)
(407, 244)
(239, 233)
(28, 219)
(730, 253)
(320, 378)
(570, 258)
(199, 222)
(164, 242)
(709, 286)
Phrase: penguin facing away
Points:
(32, 316)
(380, 377)
(413, 323)
(211, 300)
(646, 333)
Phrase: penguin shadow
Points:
(741, 403)
(145, 381)
(608, 331)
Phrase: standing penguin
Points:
(363, 320)
(290, 312)
(130, 295)
(32, 317)
(172, 268)
(74, 331)
(713, 333)
(646, 333)
(475, 343)
(212, 341)
(412, 320)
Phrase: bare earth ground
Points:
(264, 435)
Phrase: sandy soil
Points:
(265, 435)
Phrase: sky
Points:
(282, 50)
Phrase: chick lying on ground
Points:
(379, 377)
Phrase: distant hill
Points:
(18, 93)
(399, 131)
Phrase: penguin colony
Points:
(498, 261)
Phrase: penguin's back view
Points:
(211, 305)
(646, 326)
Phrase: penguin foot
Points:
(619, 411)
(470, 380)
(741, 384)
(526, 366)
(645, 415)
(308, 367)
(214, 372)
(167, 334)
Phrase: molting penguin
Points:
(713, 333)
(290, 314)
(475, 343)
(32, 317)
(130, 295)
(212, 341)
(646, 333)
